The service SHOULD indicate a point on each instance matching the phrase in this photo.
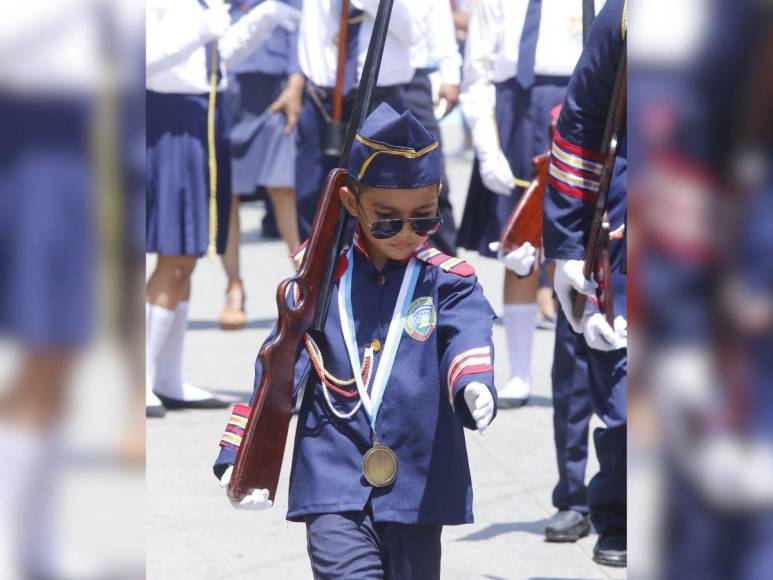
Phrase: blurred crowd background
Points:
(72, 273)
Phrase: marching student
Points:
(266, 90)
(518, 60)
(318, 57)
(380, 463)
(575, 173)
(188, 179)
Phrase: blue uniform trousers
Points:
(352, 545)
(572, 411)
(609, 398)
(311, 165)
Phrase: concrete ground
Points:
(193, 533)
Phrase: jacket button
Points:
(375, 345)
(381, 280)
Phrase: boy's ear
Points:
(348, 201)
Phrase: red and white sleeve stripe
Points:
(575, 171)
(474, 360)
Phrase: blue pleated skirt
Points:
(523, 118)
(47, 227)
(177, 174)
(261, 154)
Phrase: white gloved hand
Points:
(599, 335)
(521, 260)
(257, 500)
(569, 276)
(214, 23)
(481, 404)
(496, 174)
(281, 14)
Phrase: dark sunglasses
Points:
(425, 226)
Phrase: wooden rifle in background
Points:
(334, 129)
(259, 459)
(598, 236)
(525, 221)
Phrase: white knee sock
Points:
(19, 453)
(520, 321)
(158, 322)
(169, 380)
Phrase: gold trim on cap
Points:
(406, 152)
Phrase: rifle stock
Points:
(525, 221)
(259, 459)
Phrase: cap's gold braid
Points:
(380, 148)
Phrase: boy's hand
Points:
(257, 500)
(481, 405)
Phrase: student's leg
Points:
(167, 295)
(283, 199)
(571, 416)
(233, 317)
(410, 552)
(520, 317)
(343, 546)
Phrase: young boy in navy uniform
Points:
(413, 328)
(575, 170)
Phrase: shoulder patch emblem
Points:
(421, 318)
(435, 257)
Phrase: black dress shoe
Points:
(155, 411)
(210, 403)
(611, 550)
(567, 526)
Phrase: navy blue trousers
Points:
(572, 411)
(604, 378)
(352, 546)
(311, 165)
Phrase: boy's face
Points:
(374, 204)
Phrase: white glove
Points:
(600, 336)
(521, 260)
(481, 404)
(496, 174)
(214, 23)
(569, 277)
(256, 501)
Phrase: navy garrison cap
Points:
(394, 151)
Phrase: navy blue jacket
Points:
(576, 160)
(423, 410)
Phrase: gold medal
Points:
(379, 465)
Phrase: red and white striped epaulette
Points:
(435, 257)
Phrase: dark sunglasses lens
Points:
(426, 226)
(384, 229)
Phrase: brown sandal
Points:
(233, 316)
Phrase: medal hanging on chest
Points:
(379, 464)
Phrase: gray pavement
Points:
(193, 533)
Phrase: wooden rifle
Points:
(334, 129)
(525, 221)
(259, 459)
(598, 236)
